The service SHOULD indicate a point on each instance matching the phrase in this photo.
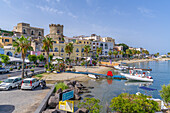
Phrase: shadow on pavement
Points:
(7, 108)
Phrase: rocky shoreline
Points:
(53, 102)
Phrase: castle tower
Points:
(56, 29)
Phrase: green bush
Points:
(0, 65)
(32, 70)
(60, 85)
(131, 103)
(40, 76)
(19, 68)
(0, 81)
(91, 104)
(11, 69)
(83, 63)
(48, 70)
(165, 93)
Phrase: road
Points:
(22, 101)
(16, 72)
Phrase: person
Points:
(26, 73)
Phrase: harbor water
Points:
(105, 89)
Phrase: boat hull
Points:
(93, 76)
(136, 78)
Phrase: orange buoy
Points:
(109, 73)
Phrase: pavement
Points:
(22, 101)
(16, 72)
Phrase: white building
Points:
(93, 37)
(106, 47)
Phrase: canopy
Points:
(57, 57)
(146, 88)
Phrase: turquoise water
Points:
(106, 89)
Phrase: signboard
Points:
(67, 95)
(67, 105)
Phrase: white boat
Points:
(137, 75)
(93, 76)
(140, 83)
(120, 67)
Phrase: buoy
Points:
(109, 73)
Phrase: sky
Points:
(137, 23)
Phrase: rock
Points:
(56, 95)
(53, 102)
(77, 97)
(76, 91)
(67, 83)
(82, 110)
(71, 87)
(50, 111)
(73, 82)
(59, 90)
(57, 107)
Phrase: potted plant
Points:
(19, 68)
(48, 70)
(11, 69)
(32, 70)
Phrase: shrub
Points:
(60, 85)
(40, 76)
(165, 93)
(46, 66)
(0, 81)
(11, 69)
(91, 104)
(48, 70)
(19, 68)
(83, 63)
(74, 70)
(0, 65)
(131, 103)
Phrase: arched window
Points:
(39, 33)
(77, 50)
(24, 31)
(101, 44)
(106, 47)
(59, 38)
(56, 49)
(82, 50)
(62, 50)
(32, 32)
(9, 53)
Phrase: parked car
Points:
(4, 70)
(30, 83)
(10, 83)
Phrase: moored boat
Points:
(93, 76)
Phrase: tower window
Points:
(39, 33)
(58, 31)
(24, 31)
(32, 32)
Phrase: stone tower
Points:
(56, 29)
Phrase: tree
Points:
(110, 54)
(91, 104)
(87, 49)
(51, 57)
(69, 49)
(121, 53)
(138, 52)
(128, 52)
(4, 59)
(165, 93)
(168, 53)
(132, 103)
(115, 53)
(47, 45)
(32, 58)
(147, 52)
(40, 58)
(98, 51)
(124, 46)
(134, 52)
(22, 45)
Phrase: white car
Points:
(10, 83)
(30, 83)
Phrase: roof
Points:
(29, 79)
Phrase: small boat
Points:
(138, 75)
(93, 76)
(120, 67)
(140, 83)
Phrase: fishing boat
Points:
(138, 75)
(93, 76)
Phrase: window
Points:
(77, 54)
(101, 44)
(80, 42)
(93, 43)
(77, 50)
(56, 49)
(82, 50)
(43, 53)
(62, 50)
(59, 38)
(53, 54)
(97, 43)
(84, 42)
(106, 47)
(54, 41)
(58, 31)
(24, 31)
(2, 40)
(32, 32)
(87, 42)
(39, 33)
(61, 54)
(93, 47)
(51, 50)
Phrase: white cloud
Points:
(49, 10)
(72, 15)
(117, 12)
(146, 12)
(7, 1)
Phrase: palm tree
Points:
(147, 52)
(115, 53)
(128, 52)
(138, 52)
(134, 52)
(87, 49)
(121, 53)
(47, 45)
(22, 46)
(98, 51)
(40, 58)
(110, 54)
(69, 49)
